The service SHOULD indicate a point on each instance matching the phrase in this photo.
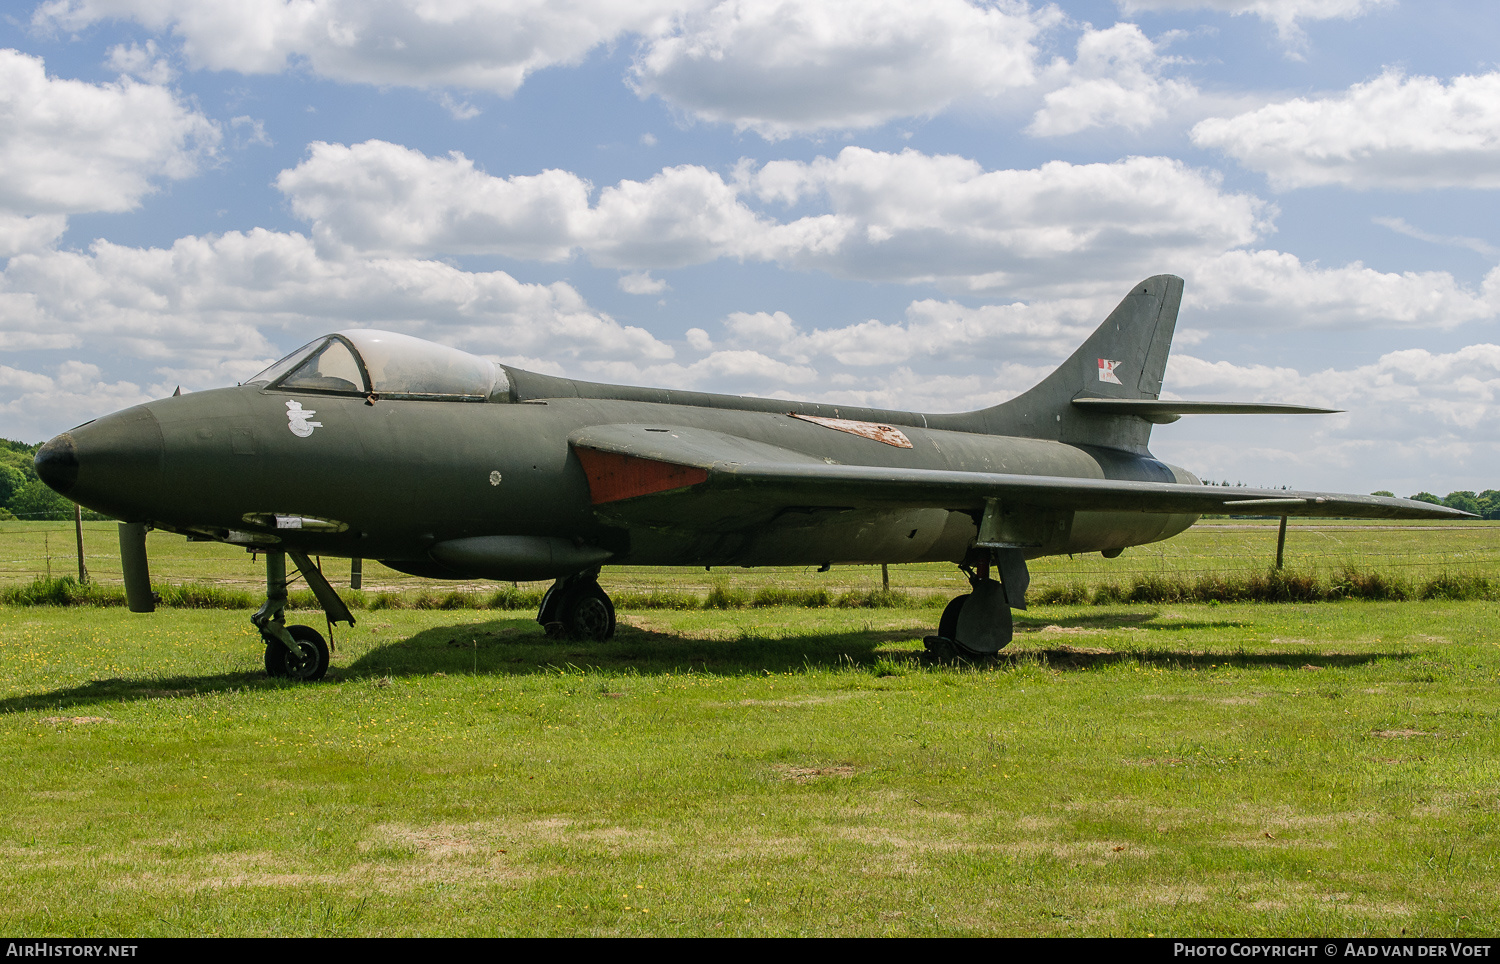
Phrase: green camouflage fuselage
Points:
(395, 477)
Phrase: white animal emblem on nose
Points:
(298, 420)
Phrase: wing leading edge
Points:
(703, 478)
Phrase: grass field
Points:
(1328, 769)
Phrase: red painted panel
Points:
(614, 477)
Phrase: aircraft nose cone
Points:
(112, 464)
(57, 464)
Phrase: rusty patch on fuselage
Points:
(879, 431)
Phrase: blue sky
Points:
(909, 205)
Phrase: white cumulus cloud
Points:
(18, 379)
(931, 329)
(641, 283)
(141, 61)
(919, 217)
(1257, 289)
(379, 197)
(490, 45)
(36, 406)
(19, 232)
(874, 215)
(1074, 233)
(1114, 81)
(1414, 419)
(783, 67)
(231, 302)
(383, 198)
(1406, 133)
(67, 147)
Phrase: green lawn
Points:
(1126, 770)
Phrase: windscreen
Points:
(286, 364)
(330, 368)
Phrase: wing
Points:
(675, 477)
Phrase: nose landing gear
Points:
(296, 652)
(310, 661)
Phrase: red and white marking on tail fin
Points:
(1107, 371)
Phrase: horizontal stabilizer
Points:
(1162, 412)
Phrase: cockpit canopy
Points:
(362, 361)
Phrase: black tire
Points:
(546, 613)
(275, 657)
(587, 613)
(948, 625)
(313, 662)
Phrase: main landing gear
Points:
(576, 608)
(296, 652)
(979, 623)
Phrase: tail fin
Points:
(1124, 358)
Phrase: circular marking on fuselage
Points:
(494, 478)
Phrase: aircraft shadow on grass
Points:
(128, 690)
(517, 646)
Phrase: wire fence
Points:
(1230, 549)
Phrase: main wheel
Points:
(587, 613)
(310, 665)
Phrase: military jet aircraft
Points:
(439, 463)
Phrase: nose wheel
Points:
(310, 661)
